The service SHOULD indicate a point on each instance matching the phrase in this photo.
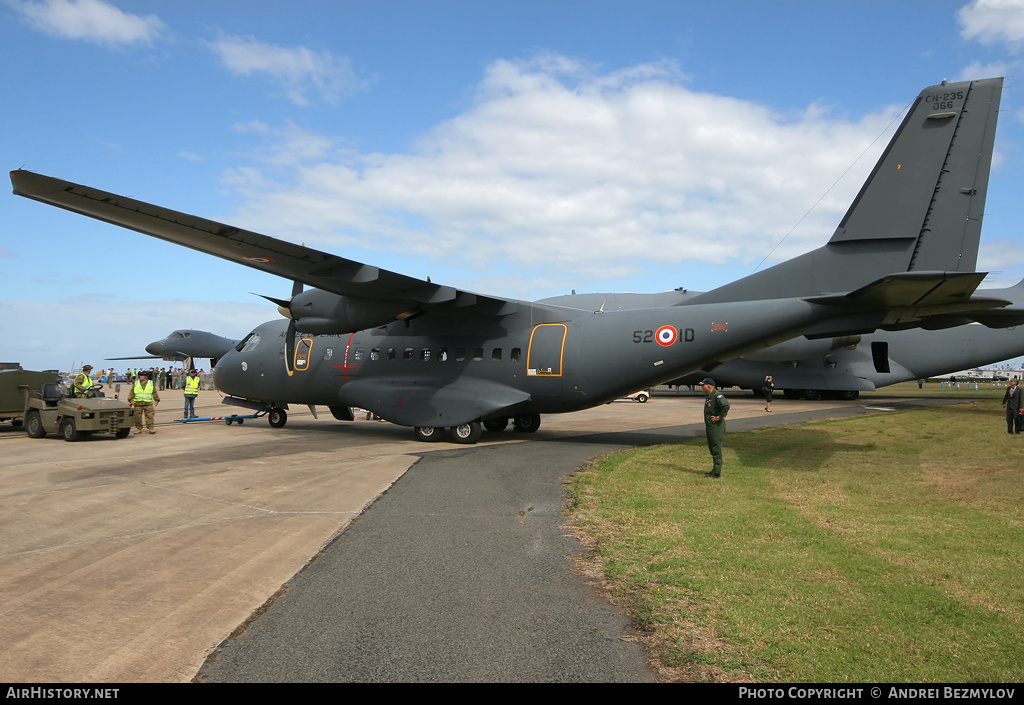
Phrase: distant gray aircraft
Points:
(186, 344)
(435, 357)
(844, 367)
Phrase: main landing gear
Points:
(469, 433)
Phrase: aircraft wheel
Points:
(277, 417)
(849, 394)
(34, 425)
(496, 425)
(467, 433)
(68, 431)
(526, 423)
(812, 395)
(429, 434)
(123, 432)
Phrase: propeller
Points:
(289, 336)
(284, 306)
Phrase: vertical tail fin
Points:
(919, 210)
(931, 181)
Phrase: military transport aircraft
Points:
(186, 344)
(433, 357)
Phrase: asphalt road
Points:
(459, 573)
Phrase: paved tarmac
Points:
(131, 560)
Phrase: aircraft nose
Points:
(226, 373)
(156, 348)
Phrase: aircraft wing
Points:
(314, 268)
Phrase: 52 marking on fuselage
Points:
(664, 336)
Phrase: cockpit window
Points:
(248, 343)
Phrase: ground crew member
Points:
(83, 382)
(1013, 402)
(716, 408)
(144, 398)
(192, 383)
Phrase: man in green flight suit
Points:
(716, 407)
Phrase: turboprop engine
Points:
(321, 312)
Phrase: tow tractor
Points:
(49, 410)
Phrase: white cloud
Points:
(297, 70)
(994, 22)
(89, 20)
(558, 169)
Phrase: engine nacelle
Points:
(802, 349)
(321, 312)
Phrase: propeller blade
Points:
(289, 348)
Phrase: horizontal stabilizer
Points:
(905, 289)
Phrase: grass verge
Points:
(881, 548)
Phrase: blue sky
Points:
(518, 148)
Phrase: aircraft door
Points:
(546, 351)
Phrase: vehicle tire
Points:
(526, 423)
(812, 395)
(429, 434)
(849, 394)
(68, 431)
(123, 432)
(228, 421)
(467, 433)
(277, 417)
(496, 425)
(641, 398)
(34, 425)
(242, 421)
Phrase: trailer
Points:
(12, 397)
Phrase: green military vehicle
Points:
(12, 398)
(47, 408)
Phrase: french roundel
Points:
(666, 335)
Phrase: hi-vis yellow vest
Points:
(143, 395)
(192, 386)
(85, 386)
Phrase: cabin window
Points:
(391, 353)
(496, 354)
(374, 354)
(442, 354)
(460, 353)
(425, 354)
(408, 354)
(328, 353)
(358, 354)
(514, 355)
(478, 354)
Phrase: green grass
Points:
(881, 548)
